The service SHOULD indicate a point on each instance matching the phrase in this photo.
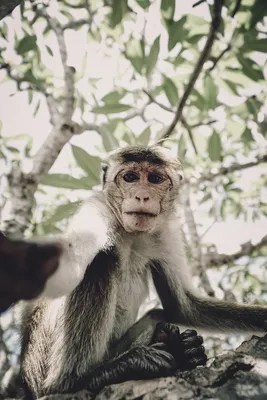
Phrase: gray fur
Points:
(103, 280)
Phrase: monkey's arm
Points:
(24, 269)
(87, 234)
(182, 305)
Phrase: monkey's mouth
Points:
(144, 213)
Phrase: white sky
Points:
(17, 115)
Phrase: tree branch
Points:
(215, 25)
(197, 257)
(22, 185)
(217, 59)
(212, 259)
(235, 10)
(183, 120)
(229, 47)
(232, 168)
(7, 6)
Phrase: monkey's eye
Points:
(155, 178)
(130, 177)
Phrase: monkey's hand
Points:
(24, 269)
(186, 347)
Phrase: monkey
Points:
(83, 331)
(24, 269)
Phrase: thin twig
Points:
(205, 123)
(190, 133)
(213, 258)
(217, 59)
(215, 25)
(197, 256)
(232, 168)
(198, 3)
(237, 5)
(183, 120)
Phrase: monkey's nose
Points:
(142, 196)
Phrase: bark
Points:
(7, 6)
(233, 375)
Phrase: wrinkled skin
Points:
(24, 269)
(140, 195)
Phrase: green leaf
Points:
(197, 100)
(111, 108)
(215, 147)
(29, 77)
(37, 108)
(171, 91)
(210, 92)
(177, 32)
(65, 181)
(255, 45)
(63, 211)
(232, 86)
(143, 3)
(135, 54)
(258, 12)
(250, 68)
(181, 148)
(152, 58)
(90, 164)
(119, 9)
(253, 105)
(109, 140)
(247, 136)
(22, 7)
(12, 149)
(113, 97)
(144, 137)
(167, 9)
(26, 44)
(49, 50)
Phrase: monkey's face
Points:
(141, 197)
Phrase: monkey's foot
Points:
(186, 347)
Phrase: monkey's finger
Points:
(195, 351)
(194, 341)
(189, 333)
(160, 346)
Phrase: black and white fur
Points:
(70, 342)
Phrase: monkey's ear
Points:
(181, 175)
(104, 168)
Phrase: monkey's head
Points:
(141, 186)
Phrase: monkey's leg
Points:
(155, 349)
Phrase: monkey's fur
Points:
(24, 269)
(120, 239)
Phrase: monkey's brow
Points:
(142, 156)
